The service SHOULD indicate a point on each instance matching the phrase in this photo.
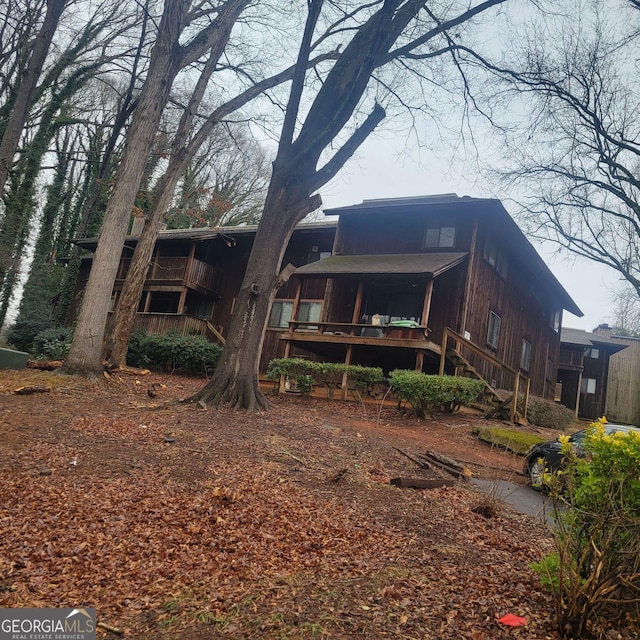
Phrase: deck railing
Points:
(356, 329)
(174, 269)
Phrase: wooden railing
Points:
(355, 329)
(185, 325)
(174, 269)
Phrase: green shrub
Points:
(596, 577)
(329, 374)
(428, 393)
(22, 333)
(52, 344)
(173, 352)
(546, 413)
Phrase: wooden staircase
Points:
(501, 401)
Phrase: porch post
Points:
(514, 404)
(357, 306)
(147, 301)
(183, 297)
(419, 359)
(578, 393)
(296, 302)
(426, 307)
(189, 265)
(345, 378)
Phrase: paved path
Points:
(521, 497)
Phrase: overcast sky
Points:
(381, 170)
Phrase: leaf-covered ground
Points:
(178, 522)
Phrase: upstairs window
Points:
(592, 353)
(556, 318)
(493, 333)
(439, 238)
(525, 358)
(495, 256)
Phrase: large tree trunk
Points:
(235, 381)
(85, 354)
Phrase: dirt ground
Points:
(175, 521)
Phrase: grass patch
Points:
(511, 439)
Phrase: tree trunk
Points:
(125, 312)
(85, 354)
(235, 381)
(20, 111)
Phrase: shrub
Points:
(427, 393)
(173, 352)
(52, 344)
(595, 574)
(329, 374)
(546, 413)
(22, 333)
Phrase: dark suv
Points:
(547, 457)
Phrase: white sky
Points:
(379, 172)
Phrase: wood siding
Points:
(623, 392)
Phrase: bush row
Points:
(329, 374)
(172, 352)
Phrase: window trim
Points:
(525, 355)
(439, 244)
(288, 301)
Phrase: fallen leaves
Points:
(263, 526)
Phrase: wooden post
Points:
(443, 353)
(469, 279)
(147, 302)
(514, 403)
(578, 393)
(426, 306)
(296, 301)
(419, 359)
(357, 306)
(345, 378)
(526, 397)
(189, 265)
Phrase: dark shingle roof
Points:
(431, 264)
(583, 338)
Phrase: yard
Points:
(174, 521)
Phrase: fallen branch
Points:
(421, 483)
(423, 464)
(108, 627)
(38, 388)
(44, 365)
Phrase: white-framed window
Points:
(588, 385)
(495, 256)
(493, 332)
(592, 353)
(556, 318)
(439, 238)
(281, 311)
(525, 358)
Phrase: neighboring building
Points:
(382, 286)
(623, 390)
(584, 372)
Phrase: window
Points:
(588, 385)
(592, 353)
(439, 237)
(525, 358)
(493, 334)
(556, 318)
(495, 256)
(281, 313)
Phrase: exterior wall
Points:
(592, 405)
(524, 315)
(623, 389)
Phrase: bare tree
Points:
(22, 99)
(168, 57)
(374, 36)
(573, 145)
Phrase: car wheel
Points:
(537, 471)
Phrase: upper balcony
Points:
(178, 270)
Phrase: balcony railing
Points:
(364, 330)
(174, 269)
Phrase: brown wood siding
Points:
(592, 404)
(623, 391)
(523, 316)
(382, 233)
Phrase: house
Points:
(584, 372)
(623, 390)
(435, 283)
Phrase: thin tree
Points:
(573, 155)
(23, 98)
(395, 30)
(168, 58)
